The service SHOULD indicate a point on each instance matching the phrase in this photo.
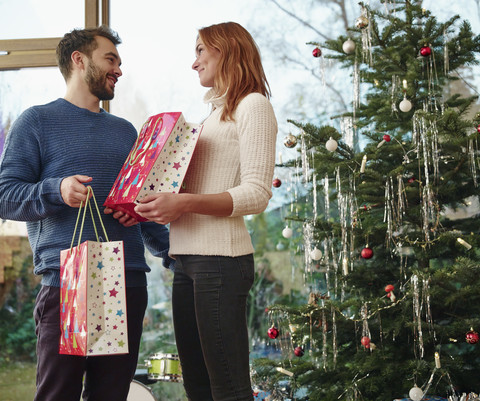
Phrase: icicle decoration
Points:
(307, 240)
(417, 309)
(402, 201)
(367, 39)
(446, 57)
(348, 133)
(395, 87)
(334, 338)
(428, 310)
(304, 158)
(343, 215)
(324, 336)
(472, 151)
(327, 198)
(315, 211)
(388, 212)
(356, 88)
(431, 103)
(388, 5)
(425, 140)
(365, 328)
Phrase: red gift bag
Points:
(93, 303)
(157, 162)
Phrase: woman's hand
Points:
(161, 208)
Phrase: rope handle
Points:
(87, 202)
(136, 154)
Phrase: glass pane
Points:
(25, 19)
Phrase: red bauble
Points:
(478, 128)
(367, 253)
(317, 52)
(411, 180)
(472, 337)
(387, 138)
(273, 332)
(426, 51)
(389, 288)
(365, 342)
(298, 351)
(276, 182)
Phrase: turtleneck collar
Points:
(212, 97)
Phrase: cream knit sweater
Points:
(235, 156)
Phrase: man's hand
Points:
(73, 191)
(123, 218)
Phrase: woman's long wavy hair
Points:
(239, 71)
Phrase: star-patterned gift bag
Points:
(93, 305)
(157, 162)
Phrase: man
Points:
(51, 153)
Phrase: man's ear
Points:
(78, 58)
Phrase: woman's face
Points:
(206, 63)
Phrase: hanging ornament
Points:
(405, 105)
(415, 393)
(426, 51)
(386, 138)
(348, 46)
(365, 342)
(287, 232)
(361, 22)
(276, 182)
(478, 128)
(389, 290)
(411, 180)
(316, 254)
(331, 145)
(273, 332)
(317, 52)
(290, 141)
(280, 246)
(471, 337)
(367, 253)
(298, 351)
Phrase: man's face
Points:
(103, 69)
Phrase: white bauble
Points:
(415, 393)
(287, 232)
(331, 145)
(405, 105)
(316, 254)
(348, 46)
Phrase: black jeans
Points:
(60, 377)
(209, 299)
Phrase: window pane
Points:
(25, 19)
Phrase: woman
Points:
(230, 176)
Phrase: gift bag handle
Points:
(87, 202)
(135, 156)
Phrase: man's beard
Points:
(97, 82)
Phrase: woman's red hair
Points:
(239, 71)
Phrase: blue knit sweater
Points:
(50, 142)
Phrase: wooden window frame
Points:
(32, 53)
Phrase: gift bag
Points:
(93, 304)
(157, 162)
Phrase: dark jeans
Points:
(209, 315)
(60, 377)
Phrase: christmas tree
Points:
(390, 241)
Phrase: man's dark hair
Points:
(84, 41)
